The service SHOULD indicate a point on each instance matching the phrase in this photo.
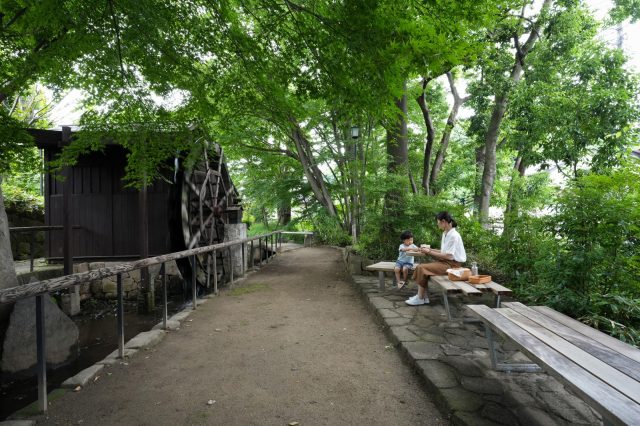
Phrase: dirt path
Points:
(292, 343)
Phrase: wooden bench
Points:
(601, 369)
(381, 268)
(451, 287)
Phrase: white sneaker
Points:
(416, 301)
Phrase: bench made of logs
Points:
(602, 370)
(448, 287)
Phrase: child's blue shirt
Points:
(403, 256)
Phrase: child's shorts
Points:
(401, 265)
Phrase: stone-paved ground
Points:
(453, 358)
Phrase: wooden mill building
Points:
(105, 220)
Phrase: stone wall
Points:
(106, 288)
(20, 241)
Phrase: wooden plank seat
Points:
(451, 287)
(381, 268)
(604, 371)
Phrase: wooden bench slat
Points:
(467, 289)
(498, 289)
(613, 405)
(598, 368)
(591, 345)
(381, 266)
(444, 282)
(615, 344)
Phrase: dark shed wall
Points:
(106, 211)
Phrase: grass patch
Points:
(32, 409)
(251, 288)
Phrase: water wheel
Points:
(207, 201)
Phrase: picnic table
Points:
(453, 287)
(601, 369)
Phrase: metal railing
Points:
(41, 288)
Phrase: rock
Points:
(83, 377)
(397, 321)
(171, 325)
(80, 267)
(112, 358)
(470, 419)
(388, 313)
(466, 366)
(182, 315)
(19, 348)
(460, 399)
(422, 350)
(96, 265)
(145, 339)
(401, 334)
(482, 385)
(381, 303)
(438, 373)
(499, 414)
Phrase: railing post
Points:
(164, 296)
(243, 259)
(215, 273)
(251, 259)
(41, 345)
(260, 251)
(231, 264)
(32, 236)
(208, 270)
(120, 314)
(194, 271)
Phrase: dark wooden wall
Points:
(105, 209)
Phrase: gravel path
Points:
(290, 343)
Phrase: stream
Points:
(97, 339)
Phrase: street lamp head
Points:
(355, 132)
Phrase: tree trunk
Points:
(518, 166)
(8, 277)
(284, 213)
(397, 151)
(499, 109)
(311, 171)
(397, 145)
(446, 135)
(431, 135)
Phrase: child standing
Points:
(404, 262)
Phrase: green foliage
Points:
(20, 197)
(583, 258)
(328, 230)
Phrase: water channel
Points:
(97, 339)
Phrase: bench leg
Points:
(445, 298)
(380, 280)
(497, 300)
(500, 366)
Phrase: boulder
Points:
(19, 347)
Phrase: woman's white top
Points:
(452, 244)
